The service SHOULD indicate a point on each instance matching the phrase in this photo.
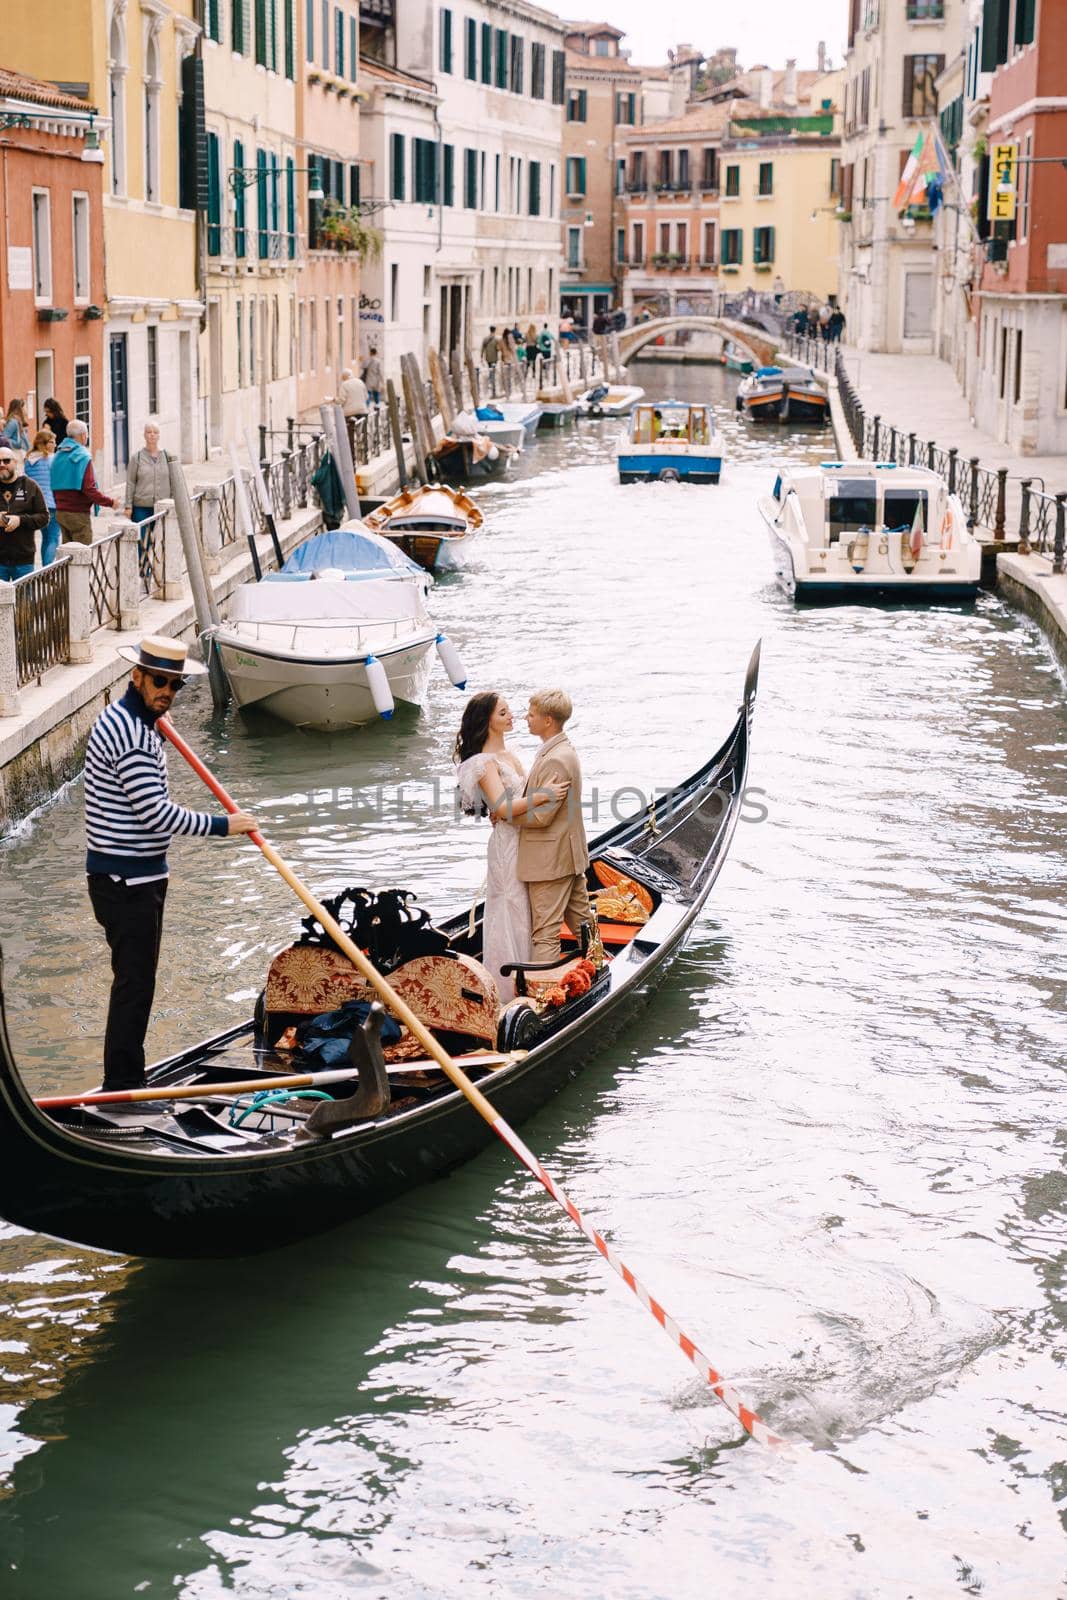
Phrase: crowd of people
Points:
(47, 487)
(826, 322)
(512, 346)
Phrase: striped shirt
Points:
(130, 818)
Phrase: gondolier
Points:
(130, 820)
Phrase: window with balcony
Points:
(731, 247)
(766, 178)
(664, 170)
(733, 182)
(637, 236)
(681, 241)
(664, 239)
(708, 255)
(920, 96)
(709, 171)
(683, 170)
(638, 179)
(926, 10)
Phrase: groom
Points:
(553, 854)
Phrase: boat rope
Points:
(749, 1420)
(266, 1098)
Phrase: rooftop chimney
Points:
(822, 55)
(789, 88)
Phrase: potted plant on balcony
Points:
(343, 229)
(660, 258)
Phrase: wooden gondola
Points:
(431, 523)
(180, 1179)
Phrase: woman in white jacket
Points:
(147, 482)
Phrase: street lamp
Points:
(240, 178)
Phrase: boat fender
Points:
(494, 453)
(596, 409)
(380, 691)
(451, 662)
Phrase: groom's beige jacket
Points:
(552, 841)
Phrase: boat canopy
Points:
(853, 503)
(349, 550)
(671, 419)
(328, 600)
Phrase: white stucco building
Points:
(463, 131)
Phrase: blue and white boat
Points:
(670, 440)
(336, 638)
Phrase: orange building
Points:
(672, 206)
(52, 285)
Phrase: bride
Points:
(491, 781)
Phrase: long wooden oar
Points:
(292, 1080)
(748, 1419)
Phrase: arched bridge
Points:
(757, 346)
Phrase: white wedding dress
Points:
(506, 931)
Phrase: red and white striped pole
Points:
(720, 1388)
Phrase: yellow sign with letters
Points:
(1003, 182)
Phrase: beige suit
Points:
(553, 853)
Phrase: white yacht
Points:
(870, 529)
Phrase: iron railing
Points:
(104, 581)
(42, 621)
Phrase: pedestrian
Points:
(352, 395)
(491, 347)
(778, 288)
(130, 820)
(74, 485)
(837, 324)
(530, 344)
(16, 429)
(567, 334)
(372, 377)
(147, 482)
(38, 466)
(618, 320)
(545, 343)
(22, 512)
(800, 322)
(56, 419)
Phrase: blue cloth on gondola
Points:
(489, 414)
(325, 1039)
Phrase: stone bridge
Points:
(758, 346)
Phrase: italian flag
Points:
(921, 163)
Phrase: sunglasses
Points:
(163, 680)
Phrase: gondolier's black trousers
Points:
(132, 919)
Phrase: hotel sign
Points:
(1003, 182)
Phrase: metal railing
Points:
(984, 491)
(42, 621)
(104, 581)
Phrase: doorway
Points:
(120, 400)
(918, 300)
(44, 381)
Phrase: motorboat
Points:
(783, 394)
(523, 414)
(226, 1161)
(735, 360)
(336, 638)
(609, 400)
(432, 524)
(462, 455)
(670, 440)
(870, 530)
(556, 410)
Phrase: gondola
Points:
(188, 1179)
(433, 525)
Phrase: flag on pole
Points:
(922, 170)
(917, 530)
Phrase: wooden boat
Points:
(434, 525)
(609, 400)
(783, 394)
(870, 530)
(670, 440)
(735, 360)
(463, 459)
(190, 1179)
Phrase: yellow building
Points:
(133, 58)
(780, 184)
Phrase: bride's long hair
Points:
(473, 732)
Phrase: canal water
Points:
(831, 1146)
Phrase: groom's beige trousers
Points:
(558, 900)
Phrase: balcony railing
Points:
(249, 245)
(926, 10)
(637, 186)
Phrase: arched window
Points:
(116, 79)
(152, 86)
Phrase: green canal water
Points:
(832, 1145)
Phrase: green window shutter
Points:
(487, 52)
(448, 197)
(214, 196)
(261, 204)
(501, 57)
(290, 24)
(470, 179)
(581, 175)
(211, 19)
(446, 39)
(396, 164)
(239, 201)
(309, 26)
(994, 34)
(535, 188)
(338, 41)
(239, 27)
(192, 169)
(470, 49)
(559, 69)
(770, 244)
(290, 207)
(261, 33)
(354, 185)
(353, 48)
(516, 64)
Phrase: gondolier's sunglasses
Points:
(162, 679)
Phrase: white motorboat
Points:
(525, 413)
(670, 440)
(870, 530)
(609, 400)
(336, 638)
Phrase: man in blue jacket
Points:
(74, 485)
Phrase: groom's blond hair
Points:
(554, 703)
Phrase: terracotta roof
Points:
(408, 80)
(703, 118)
(18, 86)
(618, 66)
(594, 27)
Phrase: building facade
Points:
(603, 102)
(52, 285)
(1019, 385)
(129, 58)
(254, 242)
(671, 228)
(471, 229)
(897, 50)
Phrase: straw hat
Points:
(158, 654)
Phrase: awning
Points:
(587, 288)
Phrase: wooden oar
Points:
(748, 1419)
(292, 1080)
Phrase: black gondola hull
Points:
(101, 1191)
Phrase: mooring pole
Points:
(207, 614)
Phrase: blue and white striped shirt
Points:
(130, 818)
